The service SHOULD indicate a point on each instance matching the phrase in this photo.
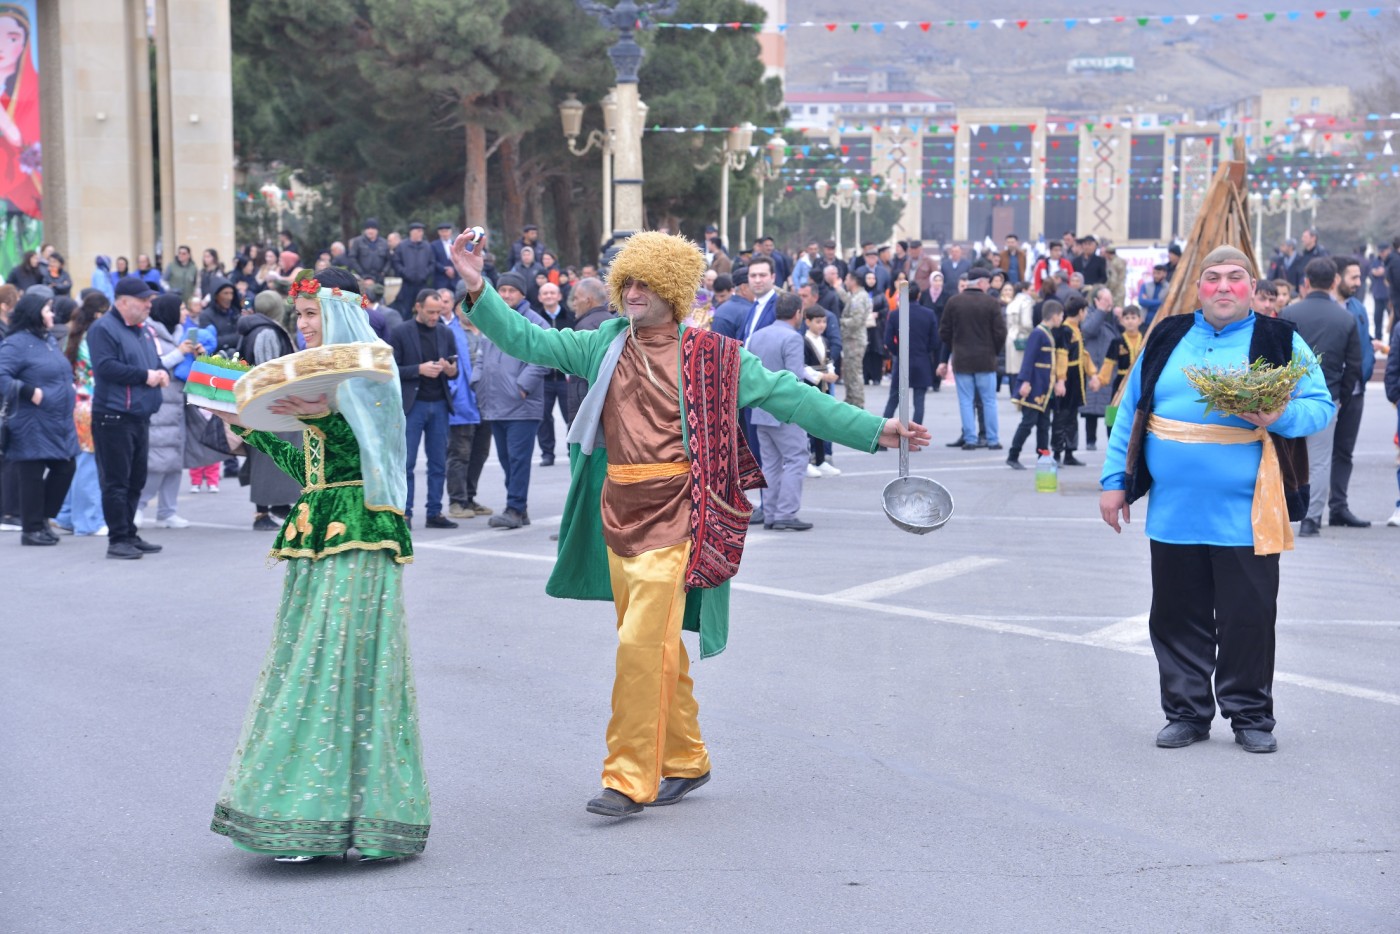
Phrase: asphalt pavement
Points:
(942, 733)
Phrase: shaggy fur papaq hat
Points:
(671, 266)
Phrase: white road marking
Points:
(929, 575)
(956, 515)
(1124, 632)
(986, 624)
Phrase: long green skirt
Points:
(330, 756)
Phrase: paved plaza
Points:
(941, 733)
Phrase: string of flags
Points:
(1027, 23)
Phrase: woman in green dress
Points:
(330, 758)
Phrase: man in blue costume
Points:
(1222, 487)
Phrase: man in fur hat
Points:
(656, 515)
(1222, 487)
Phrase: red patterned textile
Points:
(721, 464)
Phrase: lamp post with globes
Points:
(571, 115)
(732, 155)
(766, 169)
(1300, 198)
(846, 196)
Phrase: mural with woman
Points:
(21, 165)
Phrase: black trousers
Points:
(1091, 429)
(1213, 614)
(554, 390)
(121, 443)
(43, 485)
(1031, 419)
(916, 402)
(467, 449)
(1343, 443)
(9, 489)
(1064, 432)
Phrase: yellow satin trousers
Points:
(654, 732)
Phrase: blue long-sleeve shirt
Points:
(1202, 493)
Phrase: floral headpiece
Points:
(312, 287)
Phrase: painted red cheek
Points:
(1240, 290)
(1208, 289)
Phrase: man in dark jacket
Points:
(427, 359)
(1089, 263)
(444, 275)
(974, 328)
(128, 378)
(1311, 250)
(556, 385)
(413, 261)
(368, 254)
(222, 313)
(529, 236)
(1331, 334)
(588, 300)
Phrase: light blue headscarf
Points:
(374, 410)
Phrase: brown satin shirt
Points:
(642, 425)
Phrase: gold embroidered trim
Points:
(313, 446)
(282, 554)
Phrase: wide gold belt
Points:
(636, 473)
(1268, 515)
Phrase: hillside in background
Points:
(1178, 66)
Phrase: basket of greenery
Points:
(1258, 388)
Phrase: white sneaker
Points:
(57, 529)
(829, 470)
(813, 473)
(139, 519)
(10, 527)
(194, 488)
(1395, 518)
(174, 522)
(101, 533)
(211, 488)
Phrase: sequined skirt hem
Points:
(318, 837)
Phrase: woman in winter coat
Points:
(165, 458)
(1019, 307)
(36, 379)
(28, 271)
(82, 510)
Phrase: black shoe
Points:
(956, 444)
(280, 513)
(123, 551)
(994, 447)
(477, 508)
(1256, 740)
(1309, 528)
(981, 443)
(1015, 464)
(264, 522)
(756, 518)
(612, 803)
(1091, 446)
(440, 521)
(546, 460)
(972, 447)
(145, 547)
(1343, 517)
(48, 533)
(788, 525)
(510, 519)
(1179, 733)
(1072, 461)
(674, 789)
(38, 538)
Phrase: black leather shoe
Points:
(788, 525)
(123, 551)
(38, 538)
(1179, 733)
(547, 460)
(1015, 464)
(674, 789)
(1343, 517)
(613, 803)
(510, 519)
(994, 447)
(440, 522)
(145, 547)
(1256, 740)
(1309, 528)
(1091, 446)
(1072, 461)
(264, 522)
(756, 518)
(956, 444)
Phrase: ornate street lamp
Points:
(732, 155)
(767, 169)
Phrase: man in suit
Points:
(954, 265)
(444, 275)
(973, 327)
(1089, 263)
(923, 346)
(1349, 411)
(1331, 334)
(782, 447)
(556, 386)
(761, 283)
(427, 359)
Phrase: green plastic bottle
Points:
(1047, 474)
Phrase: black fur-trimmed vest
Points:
(1273, 340)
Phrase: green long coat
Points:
(581, 572)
